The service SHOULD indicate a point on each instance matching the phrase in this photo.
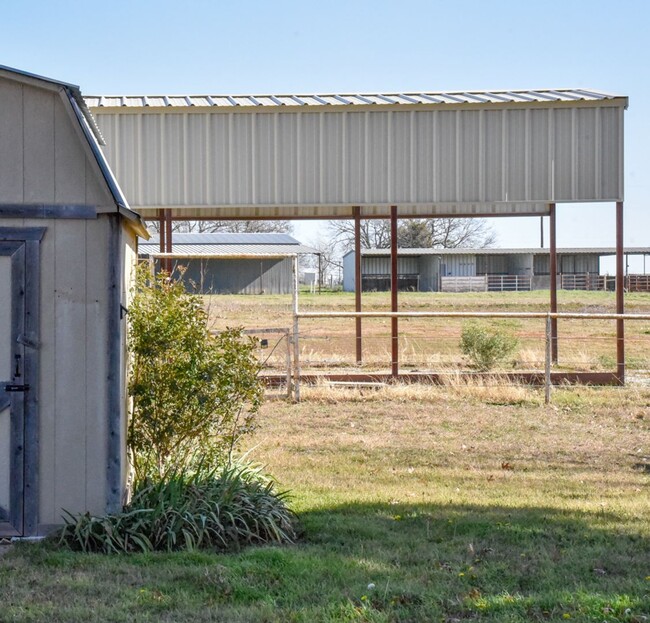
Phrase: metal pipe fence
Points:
(547, 334)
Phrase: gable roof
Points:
(90, 132)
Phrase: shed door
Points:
(12, 385)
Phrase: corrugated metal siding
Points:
(578, 264)
(429, 273)
(541, 265)
(264, 276)
(458, 266)
(374, 158)
(568, 264)
(381, 265)
(491, 265)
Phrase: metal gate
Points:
(19, 257)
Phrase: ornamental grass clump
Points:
(219, 510)
(486, 347)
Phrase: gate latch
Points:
(13, 387)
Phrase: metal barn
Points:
(231, 263)
(490, 269)
(67, 246)
(372, 155)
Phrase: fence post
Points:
(547, 361)
(287, 337)
(296, 342)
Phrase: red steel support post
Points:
(357, 279)
(168, 238)
(393, 292)
(553, 285)
(163, 238)
(620, 304)
(161, 228)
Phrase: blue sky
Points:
(283, 46)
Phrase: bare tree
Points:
(330, 264)
(449, 233)
(414, 233)
(375, 234)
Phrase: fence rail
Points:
(463, 284)
(508, 283)
(548, 317)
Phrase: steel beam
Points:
(161, 227)
(168, 238)
(620, 304)
(528, 378)
(357, 280)
(394, 367)
(553, 285)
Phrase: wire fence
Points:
(429, 344)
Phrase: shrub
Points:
(486, 347)
(220, 510)
(194, 394)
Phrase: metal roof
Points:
(497, 251)
(220, 238)
(352, 99)
(225, 250)
(221, 244)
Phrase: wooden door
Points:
(12, 386)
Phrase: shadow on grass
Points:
(362, 562)
(463, 561)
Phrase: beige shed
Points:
(67, 248)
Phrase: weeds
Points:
(486, 347)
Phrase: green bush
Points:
(219, 510)
(194, 394)
(486, 347)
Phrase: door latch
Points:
(14, 387)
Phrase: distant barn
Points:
(230, 263)
(463, 269)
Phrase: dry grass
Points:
(428, 443)
(433, 344)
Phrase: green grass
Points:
(453, 508)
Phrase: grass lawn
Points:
(418, 504)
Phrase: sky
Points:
(284, 46)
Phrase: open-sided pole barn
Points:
(67, 244)
(492, 269)
(68, 236)
(469, 154)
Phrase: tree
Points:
(375, 234)
(237, 227)
(330, 264)
(416, 233)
